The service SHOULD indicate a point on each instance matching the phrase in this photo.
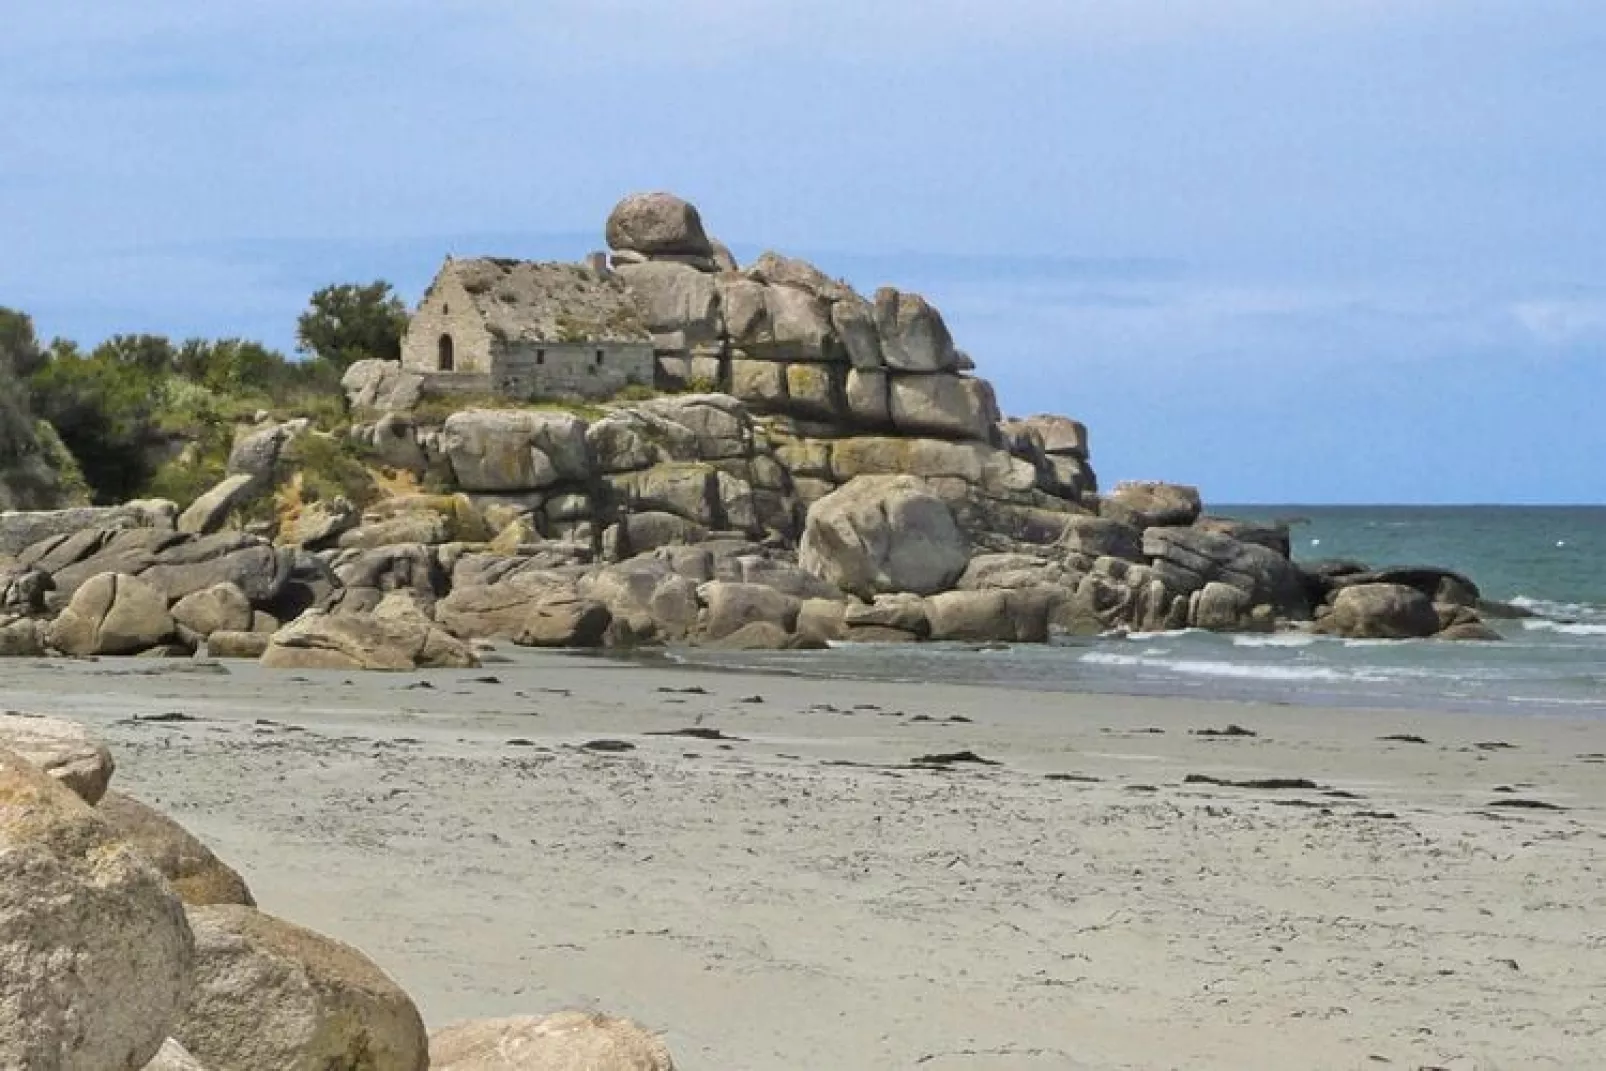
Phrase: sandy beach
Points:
(787, 887)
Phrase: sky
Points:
(1291, 251)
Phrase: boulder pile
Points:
(836, 449)
(125, 944)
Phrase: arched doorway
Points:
(448, 359)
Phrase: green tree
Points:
(19, 347)
(149, 355)
(348, 323)
(104, 405)
(234, 366)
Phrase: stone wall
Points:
(447, 311)
(460, 384)
(589, 370)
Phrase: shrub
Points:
(349, 323)
(635, 392)
(330, 467)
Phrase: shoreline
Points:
(1232, 681)
(800, 893)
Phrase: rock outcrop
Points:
(1148, 504)
(20, 530)
(219, 608)
(884, 534)
(1380, 612)
(112, 614)
(96, 957)
(657, 224)
(353, 641)
(817, 459)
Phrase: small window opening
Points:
(446, 308)
(448, 358)
(599, 357)
(540, 356)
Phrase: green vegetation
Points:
(635, 392)
(20, 352)
(349, 323)
(186, 477)
(143, 416)
(330, 467)
(74, 489)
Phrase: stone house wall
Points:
(469, 384)
(447, 311)
(587, 369)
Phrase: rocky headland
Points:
(815, 466)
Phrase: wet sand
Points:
(804, 895)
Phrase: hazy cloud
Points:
(1563, 322)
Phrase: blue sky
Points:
(1319, 251)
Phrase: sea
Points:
(1549, 560)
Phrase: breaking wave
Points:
(1563, 612)
(1565, 628)
(1233, 670)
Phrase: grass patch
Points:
(329, 467)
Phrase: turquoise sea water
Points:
(1552, 554)
(1550, 560)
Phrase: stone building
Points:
(526, 330)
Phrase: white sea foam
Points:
(1143, 637)
(1195, 667)
(1276, 639)
(1560, 611)
(1566, 628)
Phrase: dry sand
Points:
(801, 898)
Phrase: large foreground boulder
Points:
(353, 641)
(567, 1041)
(884, 534)
(1380, 612)
(270, 996)
(96, 957)
(198, 876)
(62, 749)
(112, 614)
